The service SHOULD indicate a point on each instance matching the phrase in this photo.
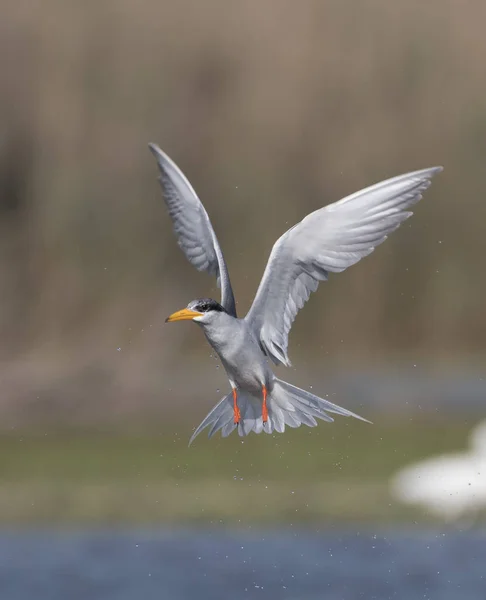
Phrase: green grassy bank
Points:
(330, 473)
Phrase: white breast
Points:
(240, 354)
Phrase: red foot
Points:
(264, 405)
(237, 414)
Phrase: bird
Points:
(328, 240)
(450, 485)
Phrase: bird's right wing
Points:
(195, 234)
(328, 240)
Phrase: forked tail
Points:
(287, 405)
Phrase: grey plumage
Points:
(326, 241)
(289, 406)
(193, 229)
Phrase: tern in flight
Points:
(328, 240)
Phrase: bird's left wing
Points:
(327, 240)
(195, 234)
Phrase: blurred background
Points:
(272, 109)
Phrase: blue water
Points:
(217, 565)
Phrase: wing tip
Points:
(154, 148)
(160, 156)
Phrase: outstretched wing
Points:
(195, 234)
(328, 240)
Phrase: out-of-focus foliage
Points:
(272, 109)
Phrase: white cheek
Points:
(200, 319)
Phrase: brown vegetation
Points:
(272, 108)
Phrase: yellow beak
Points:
(183, 315)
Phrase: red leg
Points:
(264, 405)
(235, 408)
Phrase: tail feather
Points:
(290, 420)
(248, 418)
(311, 411)
(310, 400)
(218, 423)
(228, 427)
(217, 417)
(287, 405)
